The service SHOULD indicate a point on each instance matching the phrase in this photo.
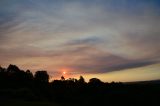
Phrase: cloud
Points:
(91, 37)
(84, 57)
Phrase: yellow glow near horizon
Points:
(150, 72)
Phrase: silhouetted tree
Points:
(29, 74)
(81, 80)
(3, 77)
(95, 81)
(12, 69)
(2, 69)
(41, 77)
(62, 78)
(29, 77)
(16, 77)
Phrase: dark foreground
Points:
(20, 88)
(129, 95)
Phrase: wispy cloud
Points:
(88, 36)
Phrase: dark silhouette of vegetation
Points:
(41, 77)
(81, 80)
(23, 85)
(62, 78)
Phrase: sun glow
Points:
(64, 72)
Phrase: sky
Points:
(114, 40)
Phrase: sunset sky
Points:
(114, 40)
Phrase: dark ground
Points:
(20, 88)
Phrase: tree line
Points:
(14, 77)
(18, 84)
